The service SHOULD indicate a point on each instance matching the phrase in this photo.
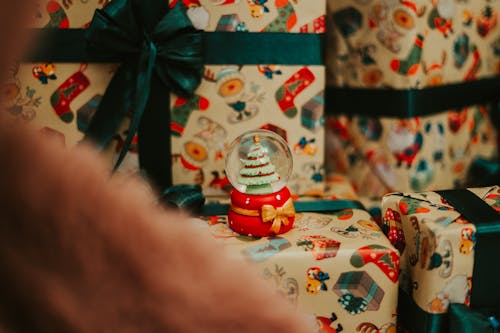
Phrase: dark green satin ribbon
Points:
(219, 48)
(409, 103)
(464, 320)
(155, 44)
(485, 289)
(186, 197)
(416, 320)
(485, 297)
(318, 206)
(160, 52)
(483, 172)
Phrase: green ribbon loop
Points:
(466, 320)
(150, 39)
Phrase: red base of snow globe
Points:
(261, 215)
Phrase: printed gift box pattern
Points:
(339, 268)
(321, 247)
(242, 98)
(410, 45)
(231, 99)
(437, 247)
(358, 292)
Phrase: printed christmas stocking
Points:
(317, 26)
(58, 17)
(181, 111)
(410, 65)
(386, 260)
(66, 93)
(285, 20)
(285, 95)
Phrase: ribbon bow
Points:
(278, 216)
(161, 52)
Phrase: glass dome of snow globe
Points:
(259, 162)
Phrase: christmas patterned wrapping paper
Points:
(338, 268)
(436, 245)
(410, 44)
(61, 98)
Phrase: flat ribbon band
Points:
(219, 48)
(318, 206)
(409, 103)
(153, 122)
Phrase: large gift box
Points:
(285, 96)
(447, 253)
(406, 79)
(336, 266)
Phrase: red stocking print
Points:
(58, 17)
(181, 111)
(385, 259)
(66, 93)
(285, 95)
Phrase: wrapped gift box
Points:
(409, 46)
(231, 99)
(337, 267)
(437, 246)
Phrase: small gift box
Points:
(321, 247)
(448, 242)
(358, 292)
(184, 92)
(410, 88)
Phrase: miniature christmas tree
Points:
(261, 204)
(258, 172)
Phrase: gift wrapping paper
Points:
(436, 245)
(410, 44)
(338, 268)
(61, 98)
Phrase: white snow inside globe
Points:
(259, 162)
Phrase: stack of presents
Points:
(389, 109)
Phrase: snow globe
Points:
(258, 165)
